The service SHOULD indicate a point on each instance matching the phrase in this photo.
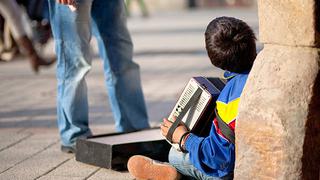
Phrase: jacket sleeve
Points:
(212, 155)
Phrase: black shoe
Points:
(68, 149)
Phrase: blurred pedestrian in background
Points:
(142, 6)
(38, 14)
(12, 15)
(72, 22)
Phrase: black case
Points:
(112, 151)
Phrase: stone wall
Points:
(278, 128)
(292, 23)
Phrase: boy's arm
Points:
(211, 154)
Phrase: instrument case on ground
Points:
(112, 151)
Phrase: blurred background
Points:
(168, 39)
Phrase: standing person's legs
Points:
(122, 74)
(72, 33)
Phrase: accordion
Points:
(195, 107)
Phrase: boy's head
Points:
(230, 44)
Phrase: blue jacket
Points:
(215, 155)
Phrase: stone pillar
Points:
(278, 128)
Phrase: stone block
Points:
(272, 131)
(294, 22)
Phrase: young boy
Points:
(230, 45)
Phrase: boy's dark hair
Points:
(230, 44)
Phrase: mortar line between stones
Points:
(17, 142)
(63, 162)
(36, 153)
(90, 175)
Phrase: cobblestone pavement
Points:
(169, 47)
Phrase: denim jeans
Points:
(182, 163)
(72, 30)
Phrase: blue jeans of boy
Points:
(182, 163)
(72, 30)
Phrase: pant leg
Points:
(72, 33)
(122, 74)
(182, 163)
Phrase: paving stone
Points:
(108, 174)
(38, 165)
(60, 178)
(10, 137)
(25, 149)
(73, 168)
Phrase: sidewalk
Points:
(169, 48)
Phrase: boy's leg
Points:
(183, 164)
(72, 33)
(122, 74)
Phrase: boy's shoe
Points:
(144, 168)
(68, 149)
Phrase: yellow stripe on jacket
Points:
(228, 112)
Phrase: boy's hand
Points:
(180, 130)
(66, 2)
(70, 3)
